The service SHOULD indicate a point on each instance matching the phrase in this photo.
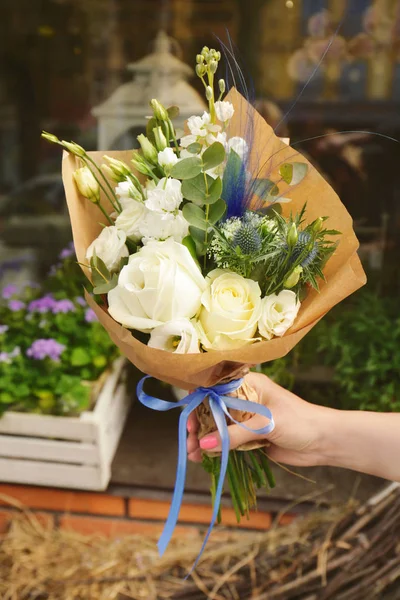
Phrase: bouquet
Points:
(209, 251)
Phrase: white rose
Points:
(177, 336)
(167, 157)
(160, 283)
(239, 145)
(278, 313)
(230, 311)
(130, 218)
(126, 192)
(110, 247)
(166, 196)
(161, 226)
(224, 110)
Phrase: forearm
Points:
(363, 441)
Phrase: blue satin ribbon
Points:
(219, 403)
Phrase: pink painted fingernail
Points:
(209, 442)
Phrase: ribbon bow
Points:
(219, 403)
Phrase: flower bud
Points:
(221, 85)
(213, 66)
(200, 70)
(160, 139)
(87, 184)
(205, 50)
(117, 169)
(74, 148)
(218, 55)
(292, 235)
(316, 226)
(160, 112)
(149, 152)
(293, 278)
(209, 92)
(200, 59)
(50, 137)
(139, 164)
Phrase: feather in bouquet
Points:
(207, 255)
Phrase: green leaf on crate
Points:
(106, 286)
(187, 168)
(80, 357)
(194, 148)
(293, 173)
(213, 156)
(173, 111)
(190, 244)
(263, 188)
(217, 211)
(214, 190)
(195, 216)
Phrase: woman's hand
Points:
(296, 439)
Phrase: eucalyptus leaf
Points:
(194, 148)
(217, 211)
(190, 244)
(195, 216)
(264, 187)
(195, 189)
(106, 286)
(187, 168)
(198, 236)
(293, 173)
(213, 156)
(214, 190)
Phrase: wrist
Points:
(328, 424)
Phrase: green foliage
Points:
(360, 340)
(48, 386)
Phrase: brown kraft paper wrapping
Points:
(343, 272)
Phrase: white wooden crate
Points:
(68, 452)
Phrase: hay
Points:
(346, 553)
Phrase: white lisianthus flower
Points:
(167, 158)
(160, 283)
(278, 313)
(110, 247)
(177, 336)
(239, 145)
(161, 226)
(126, 192)
(224, 110)
(130, 218)
(166, 196)
(231, 307)
(201, 129)
(186, 140)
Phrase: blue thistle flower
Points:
(247, 238)
(302, 242)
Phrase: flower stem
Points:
(113, 199)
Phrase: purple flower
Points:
(42, 348)
(42, 305)
(4, 358)
(53, 270)
(9, 291)
(68, 251)
(3, 329)
(63, 306)
(90, 316)
(15, 305)
(81, 301)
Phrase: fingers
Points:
(195, 456)
(193, 423)
(237, 435)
